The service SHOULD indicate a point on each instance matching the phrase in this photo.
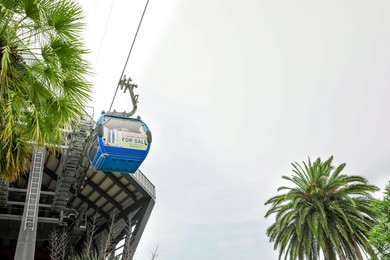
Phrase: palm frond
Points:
(42, 75)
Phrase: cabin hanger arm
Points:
(126, 84)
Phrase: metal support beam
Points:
(51, 193)
(103, 193)
(143, 217)
(19, 218)
(124, 213)
(121, 236)
(19, 203)
(121, 185)
(50, 173)
(80, 196)
(93, 206)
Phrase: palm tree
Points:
(42, 84)
(325, 211)
(380, 233)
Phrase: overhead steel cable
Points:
(128, 56)
(99, 51)
(103, 37)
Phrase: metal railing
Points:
(143, 181)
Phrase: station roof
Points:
(107, 195)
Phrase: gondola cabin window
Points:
(124, 134)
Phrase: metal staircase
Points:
(34, 188)
(72, 162)
(3, 193)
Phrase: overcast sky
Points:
(233, 92)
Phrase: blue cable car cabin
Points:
(122, 143)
